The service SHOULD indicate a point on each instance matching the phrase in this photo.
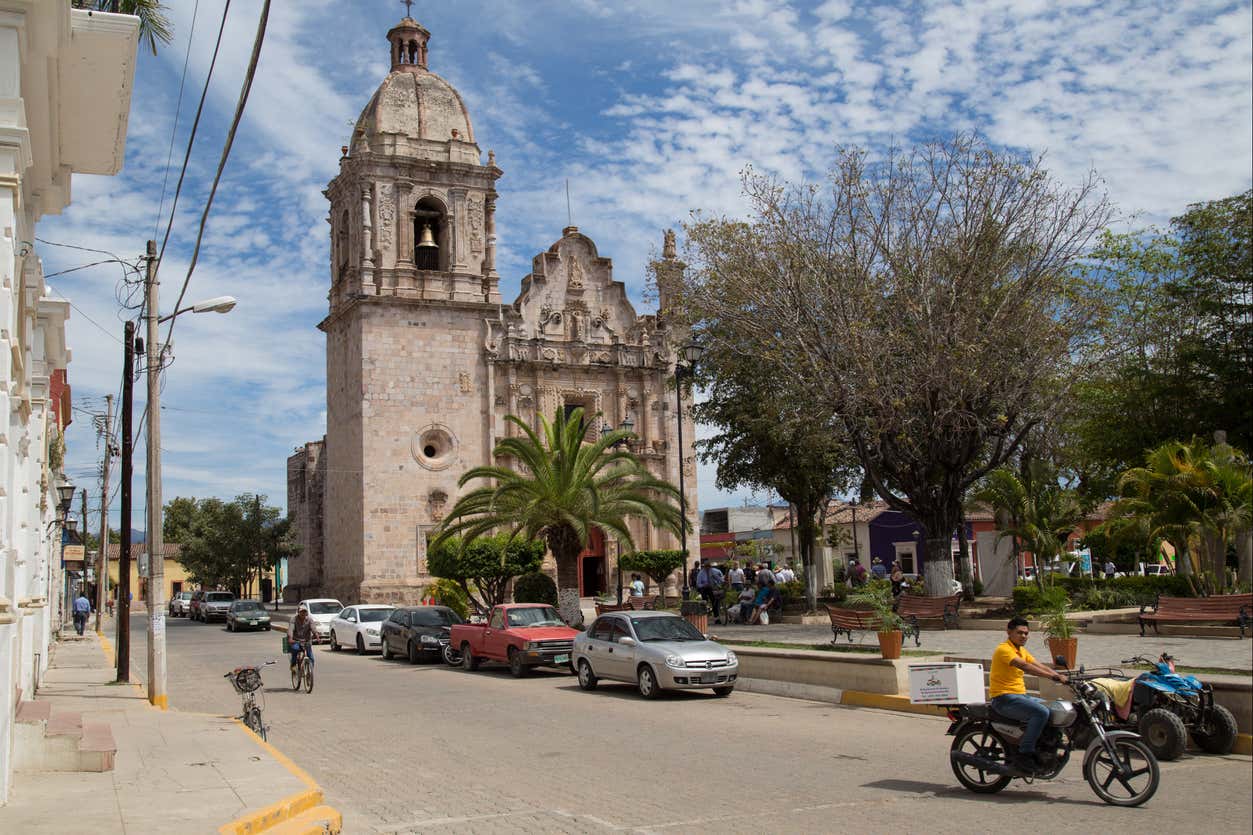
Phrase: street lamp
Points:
(155, 544)
(627, 426)
(692, 353)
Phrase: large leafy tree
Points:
(927, 302)
(556, 486)
(483, 567)
(229, 543)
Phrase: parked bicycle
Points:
(302, 670)
(247, 681)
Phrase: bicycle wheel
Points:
(252, 718)
(307, 669)
(295, 674)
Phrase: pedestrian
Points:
(786, 574)
(878, 569)
(764, 574)
(736, 576)
(637, 586)
(1110, 569)
(898, 579)
(768, 597)
(709, 585)
(856, 573)
(742, 611)
(82, 608)
(691, 575)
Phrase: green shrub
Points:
(657, 565)
(1121, 591)
(484, 566)
(1103, 598)
(448, 593)
(792, 590)
(978, 586)
(535, 587)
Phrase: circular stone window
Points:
(434, 447)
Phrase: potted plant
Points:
(1061, 633)
(877, 594)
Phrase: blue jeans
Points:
(295, 647)
(1027, 709)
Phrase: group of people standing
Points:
(857, 574)
(755, 588)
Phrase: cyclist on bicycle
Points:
(301, 637)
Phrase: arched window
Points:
(430, 235)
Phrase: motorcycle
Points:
(450, 654)
(1119, 767)
(1166, 706)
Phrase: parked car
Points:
(193, 606)
(180, 604)
(322, 610)
(214, 605)
(655, 651)
(359, 626)
(417, 632)
(247, 614)
(523, 635)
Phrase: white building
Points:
(65, 91)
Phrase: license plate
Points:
(561, 659)
(709, 678)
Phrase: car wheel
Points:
(267, 628)
(517, 668)
(468, 660)
(387, 651)
(648, 686)
(335, 647)
(413, 653)
(360, 645)
(723, 692)
(587, 678)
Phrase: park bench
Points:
(846, 620)
(624, 606)
(914, 607)
(1222, 608)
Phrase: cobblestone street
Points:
(402, 748)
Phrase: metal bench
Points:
(1223, 608)
(912, 608)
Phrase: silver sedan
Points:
(655, 651)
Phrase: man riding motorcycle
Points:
(1008, 691)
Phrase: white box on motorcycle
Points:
(948, 683)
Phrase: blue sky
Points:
(650, 109)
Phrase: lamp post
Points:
(627, 426)
(65, 499)
(692, 353)
(155, 546)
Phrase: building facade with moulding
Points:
(65, 93)
(424, 360)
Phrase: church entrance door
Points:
(592, 566)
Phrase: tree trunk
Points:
(1183, 560)
(807, 532)
(1244, 555)
(967, 564)
(568, 589)
(1216, 559)
(938, 576)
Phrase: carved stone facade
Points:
(424, 362)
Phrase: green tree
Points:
(483, 567)
(656, 565)
(176, 521)
(929, 303)
(557, 488)
(1037, 511)
(230, 543)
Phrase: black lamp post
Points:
(628, 426)
(692, 353)
(65, 499)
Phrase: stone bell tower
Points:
(413, 278)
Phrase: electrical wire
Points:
(178, 108)
(102, 328)
(194, 125)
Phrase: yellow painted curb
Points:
(882, 701)
(285, 809)
(1244, 744)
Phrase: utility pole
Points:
(156, 550)
(124, 548)
(102, 575)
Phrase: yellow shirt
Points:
(1005, 677)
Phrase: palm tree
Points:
(1006, 494)
(153, 24)
(1037, 511)
(560, 489)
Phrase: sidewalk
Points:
(174, 771)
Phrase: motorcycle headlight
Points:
(674, 661)
(732, 658)
(428, 639)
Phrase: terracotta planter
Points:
(890, 644)
(1067, 648)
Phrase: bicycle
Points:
(246, 681)
(302, 670)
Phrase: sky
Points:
(649, 109)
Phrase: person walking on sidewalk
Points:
(709, 586)
(82, 608)
(1008, 690)
(301, 636)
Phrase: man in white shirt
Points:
(736, 577)
(786, 575)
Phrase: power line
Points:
(178, 107)
(226, 152)
(112, 336)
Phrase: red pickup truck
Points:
(522, 635)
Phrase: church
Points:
(424, 360)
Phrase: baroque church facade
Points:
(424, 360)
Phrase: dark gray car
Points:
(246, 614)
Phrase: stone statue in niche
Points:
(667, 247)
(437, 499)
(387, 216)
(476, 225)
(575, 275)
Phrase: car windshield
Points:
(434, 617)
(219, 597)
(539, 616)
(374, 615)
(325, 607)
(665, 629)
(248, 606)
(184, 595)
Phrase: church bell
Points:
(427, 240)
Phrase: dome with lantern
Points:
(414, 112)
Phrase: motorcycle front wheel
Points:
(980, 742)
(451, 657)
(1138, 779)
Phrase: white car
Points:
(359, 626)
(321, 611)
